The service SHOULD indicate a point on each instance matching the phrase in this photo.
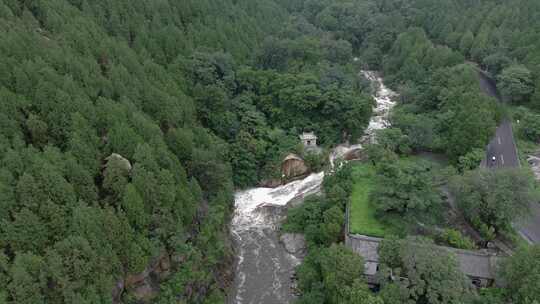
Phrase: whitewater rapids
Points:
(263, 267)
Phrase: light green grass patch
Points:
(362, 212)
(362, 218)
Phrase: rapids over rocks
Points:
(264, 269)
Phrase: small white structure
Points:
(309, 139)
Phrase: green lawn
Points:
(362, 218)
(362, 215)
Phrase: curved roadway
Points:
(501, 152)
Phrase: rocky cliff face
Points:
(144, 286)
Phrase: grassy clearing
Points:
(362, 215)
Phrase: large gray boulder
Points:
(294, 243)
(534, 162)
(118, 160)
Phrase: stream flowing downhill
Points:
(263, 268)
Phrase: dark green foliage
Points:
(340, 267)
(471, 160)
(389, 252)
(81, 80)
(522, 274)
(392, 139)
(529, 125)
(492, 295)
(202, 95)
(432, 274)
(494, 198)
(405, 188)
(322, 218)
(515, 83)
(471, 124)
(316, 162)
(260, 112)
(454, 238)
(332, 275)
(394, 293)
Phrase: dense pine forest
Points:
(126, 126)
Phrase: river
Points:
(263, 268)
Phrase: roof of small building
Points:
(476, 264)
(366, 246)
(308, 136)
(292, 156)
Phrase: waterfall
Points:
(263, 268)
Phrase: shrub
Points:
(456, 239)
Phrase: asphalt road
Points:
(488, 85)
(501, 151)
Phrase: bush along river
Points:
(265, 265)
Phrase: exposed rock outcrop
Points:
(119, 161)
(294, 243)
(144, 286)
(534, 162)
(118, 290)
(270, 183)
(293, 166)
(355, 154)
(145, 292)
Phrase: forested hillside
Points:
(126, 125)
(422, 46)
(81, 80)
(430, 52)
(418, 44)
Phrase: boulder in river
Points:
(294, 243)
(270, 183)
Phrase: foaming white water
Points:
(249, 203)
(264, 268)
(384, 102)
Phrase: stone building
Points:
(480, 267)
(309, 140)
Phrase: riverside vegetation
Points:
(204, 96)
(424, 49)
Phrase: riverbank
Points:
(264, 266)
